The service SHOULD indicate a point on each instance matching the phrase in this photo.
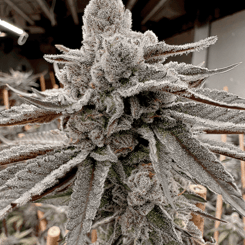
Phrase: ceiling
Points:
(50, 22)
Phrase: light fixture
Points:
(2, 34)
(22, 34)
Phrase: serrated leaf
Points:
(225, 149)
(195, 75)
(45, 137)
(212, 113)
(190, 155)
(10, 172)
(25, 152)
(161, 50)
(208, 126)
(160, 163)
(85, 200)
(26, 114)
(198, 97)
(32, 180)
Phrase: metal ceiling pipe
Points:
(73, 11)
(153, 11)
(130, 4)
(47, 11)
(20, 12)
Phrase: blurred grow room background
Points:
(44, 23)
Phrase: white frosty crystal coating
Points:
(126, 147)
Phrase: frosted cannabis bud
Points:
(127, 146)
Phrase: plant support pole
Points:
(93, 236)
(6, 98)
(53, 235)
(197, 219)
(241, 143)
(52, 78)
(42, 221)
(219, 201)
(42, 83)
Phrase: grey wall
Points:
(229, 49)
(178, 39)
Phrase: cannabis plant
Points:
(130, 126)
(24, 81)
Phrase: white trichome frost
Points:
(127, 146)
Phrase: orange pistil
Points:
(146, 164)
(151, 175)
(92, 85)
(122, 149)
(181, 192)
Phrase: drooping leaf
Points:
(55, 137)
(18, 91)
(193, 95)
(85, 200)
(25, 152)
(65, 58)
(221, 96)
(208, 126)
(26, 114)
(38, 93)
(184, 205)
(212, 113)
(225, 149)
(194, 197)
(190, 155)
(37, 176)
(160, 165)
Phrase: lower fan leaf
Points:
(85, 200)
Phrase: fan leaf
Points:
(161, 50)
(212, 113)
(160, 165)
(189, 154)
(225, 149)
(25, 152)
(26, 182)
(85, 200)
(208, 126)
(26, 114)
